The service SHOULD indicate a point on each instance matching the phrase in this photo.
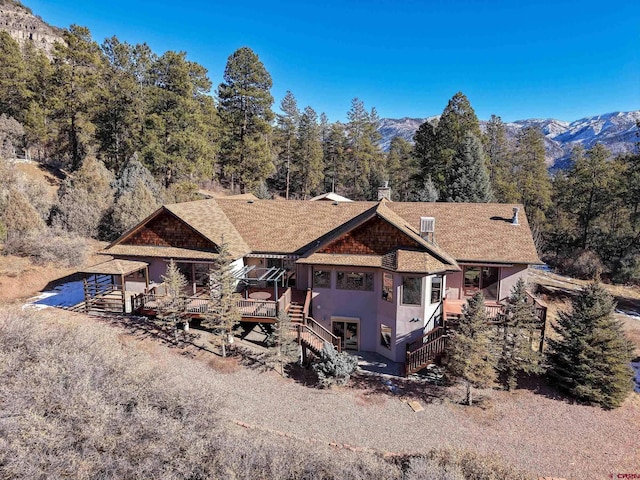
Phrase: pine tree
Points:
(308, 166)
(13, 92)
(428, 161)
(335, 166)
(499, 161)
(285, 347)
(173, 310)
(591, 356)
(288, 123)
(470, 357)
(245, 111)
(401, 168)
(531, 176)
(363, 157)
(515, 338)
(467, 178)
(457, 120)
(426, 193)
(77, 64)
(224, 315)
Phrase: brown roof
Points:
(464, 232)
(338, 259)
(208, 219)
(116, 267)
(162, 252)
(412, 261)
(480, 232)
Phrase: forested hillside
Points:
(133, 129)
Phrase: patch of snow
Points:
(544, 268)
(629, 313)
(636, 369)
(65, 295)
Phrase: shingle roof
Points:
(480, 232)
(207, 218)
(464, 232)
(412, 261)
(116, 267)
(159, 252)
(342, 260)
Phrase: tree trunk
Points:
(469, 399)
(224, 348)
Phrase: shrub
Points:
(333, 367)
(48, 246)
(585, 264)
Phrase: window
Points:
(385, 336)
(411, 291)
(387, 287)
(354, 281)
(436, 289)
(481, 278)
(322, 279)
(274, 262)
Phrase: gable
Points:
(374, 237)
(166, 230)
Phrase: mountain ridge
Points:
(615, 130)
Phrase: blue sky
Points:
(560, 59)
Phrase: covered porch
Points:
(107, 286)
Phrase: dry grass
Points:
(20, 278)
(81, 400)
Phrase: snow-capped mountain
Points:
(617, 131)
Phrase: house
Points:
(371, 276)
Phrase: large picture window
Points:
(354, 281)
(321, 279)
(481, 278)
(411, 290)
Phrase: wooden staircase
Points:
(426, 350)
(296, 312)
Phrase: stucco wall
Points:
(509, 277)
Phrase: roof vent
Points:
(249, 201)
(428, 228)
(514, 220)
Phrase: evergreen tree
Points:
(309, 167)
(531, 177)
(425, 151)
(470, 357)
(591, 180)
(224, 314)
(591, 356)
(426, 193)
(363, 157)
(13, 92)
(499, 162)
(401, 168)
(335, 147)
(245, 111)
(457, 120)
(288, 123)
(285, 347)
(173, 310)
(77, 65)
(467, 178)
(515, 339)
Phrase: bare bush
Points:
(585, 264)
(48, 246)
(17, 214)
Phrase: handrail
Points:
(307, 304)
(427, 353)
(322, 333)
(426, 338)
(284, 301)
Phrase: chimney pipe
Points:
(514, 220)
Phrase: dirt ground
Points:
(533, 428)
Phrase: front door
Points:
(347, 331)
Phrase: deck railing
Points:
(307, 304)
(425, 350)
(284, 301)
(199, 305)
(319, 334)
